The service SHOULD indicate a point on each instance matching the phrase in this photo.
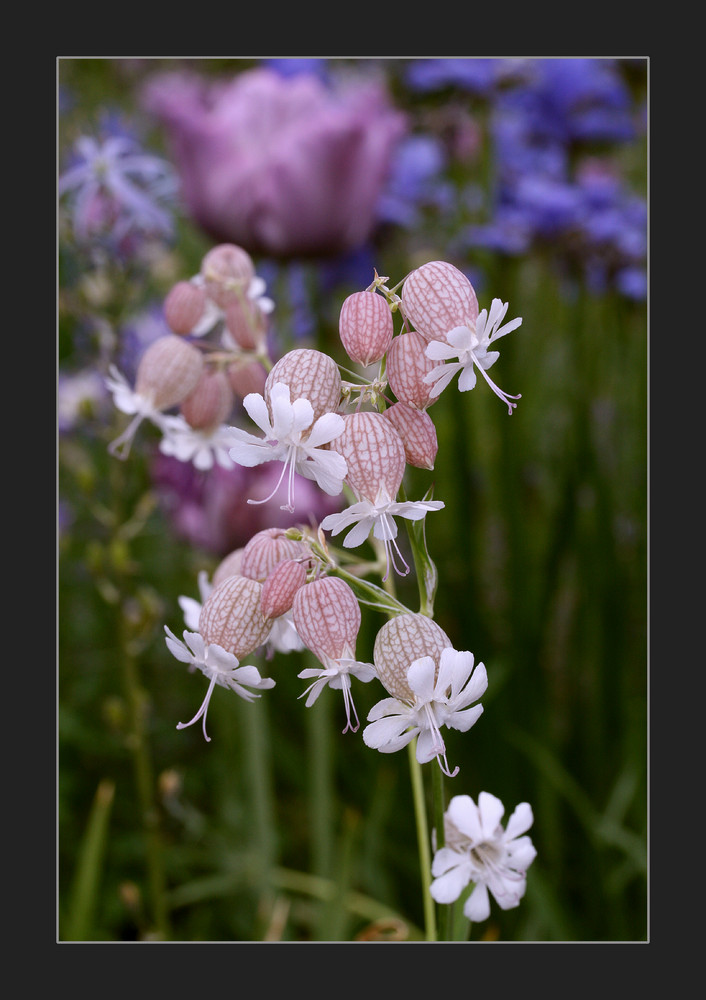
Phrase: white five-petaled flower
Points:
(378, 517)
(202, 447)
(293, 438)
(337, 673)
(443, 701)
(127, 400)
(220, 666)
(470, 345)
(478, 850)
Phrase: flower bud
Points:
(246, 377)
(326, 615)
(437, 297)
(227, 271)
(365, 327)
(245, 323)
(407, 364)
(374, 454)
(309, 374)
(400, 642)
(168, 371)
(418, 434)
(184, 306)
(266, 549)
(231, 616)
(210, 402)
(228, 566)
(281, 586)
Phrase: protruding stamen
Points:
(348, 701)
(121, 446)
(439, 746)
(505, 396)
(287, 466)
(201, 712)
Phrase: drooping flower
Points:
(219, 666)
(291, 436)
(378, 516)
(477, 849)
(443, 698)
(326, 615)
(204, 447)
(283, 166)
(470, 345)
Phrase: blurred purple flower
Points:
(115, 190)
(282, 166)
(207, 509)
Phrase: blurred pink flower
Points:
(281, 166)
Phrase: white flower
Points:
(201, 447)
(479, 850)
(336, 673)
(291, 439)
(220, 666)
(191, 607)
(470, 345)
(127, 400)
(378, 517)
(444, 702)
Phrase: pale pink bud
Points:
(231, 616)
(246, 377)
(184, 306)
(365, 326)
(227, 270)
(309, 374)
(400, 642)
(210, 402)
(406, 366)
(281, 586)
(228, 566)
(326, 615)
(418, 433)
(245, 323)
(266, 549)
(438, 297)
(168, 371)
(374, 454)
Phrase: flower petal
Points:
(477, 906)
(256, 408)
(328, 427)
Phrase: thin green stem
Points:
(420, 815)
(439, 807)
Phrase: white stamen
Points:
(505, 396)
(201, 712)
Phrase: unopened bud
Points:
(210, 402)
(245, 323)
(227, 270)
(168, 371)
(407, 364)
(437, 297)
(374, 454)
(326, 615)
(266, 549)
(184, 306)
(310, 374)
(400, 642)
(228, 566)
(246, 377)
(365, 327)
(281, 586)
(231, 616)
(418, 433)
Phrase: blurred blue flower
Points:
(416, 179)
(115, 191)
(292, 65)
(475, 75)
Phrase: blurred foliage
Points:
(280, 828)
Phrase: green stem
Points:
(420, 816)
(439, 807)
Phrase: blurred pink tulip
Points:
(281, 166)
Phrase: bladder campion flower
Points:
(220, 666)
(441, 696)
(292, 437)
(478, 849)
(470, 345)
